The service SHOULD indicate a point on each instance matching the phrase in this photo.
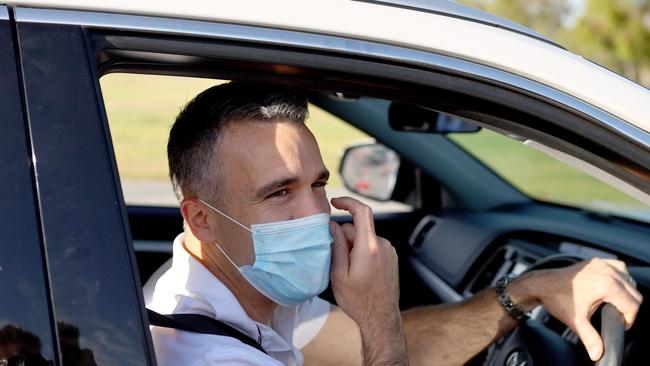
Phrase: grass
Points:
(542, 177)
(141, 109)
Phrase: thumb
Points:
(590, 338)
(340, 252)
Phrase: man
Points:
(256, 250)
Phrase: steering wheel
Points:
(532, 343)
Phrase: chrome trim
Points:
(592, 170)
(332, 44)
(153, 246)
(4, 13)
(425, 220)
(464, 12)
(445, 292)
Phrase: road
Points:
(158, 193)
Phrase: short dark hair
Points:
(195, 133)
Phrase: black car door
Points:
(26, 323)
(94, 290)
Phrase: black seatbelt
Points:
(202, 324)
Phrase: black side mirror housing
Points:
(413, 118)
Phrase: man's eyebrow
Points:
(281, 183)
(274, 186)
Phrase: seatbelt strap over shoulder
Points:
(202, 324)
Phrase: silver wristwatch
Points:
(512, 309)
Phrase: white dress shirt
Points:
(183, 285)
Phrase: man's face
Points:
(269, 172)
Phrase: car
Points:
(416, 76)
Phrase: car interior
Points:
(467, 225)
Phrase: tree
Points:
(616, 33)
(547, 17)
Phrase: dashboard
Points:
(457, 254)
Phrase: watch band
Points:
(515, 311)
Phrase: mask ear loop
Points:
(226, 255)
(224, 215)
(231, 219)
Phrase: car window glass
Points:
(141, 110)
(545, 178)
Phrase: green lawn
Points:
(540, 176)
(141, 109)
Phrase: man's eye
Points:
(280, 193)
(319, 184)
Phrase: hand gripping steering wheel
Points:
(531, 343)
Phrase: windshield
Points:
(546, 179)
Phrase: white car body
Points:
(481, 43)
(69, 228)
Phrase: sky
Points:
(578, 7)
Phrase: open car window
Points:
(141, 110)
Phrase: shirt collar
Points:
(203, 293)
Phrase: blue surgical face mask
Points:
(292, 258)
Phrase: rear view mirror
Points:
(413, 118)
(370, 170)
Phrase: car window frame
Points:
(576, 113)
(23, 267)
(338, 44)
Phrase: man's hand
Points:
(364, 266)
(574, 293)
(366, 284)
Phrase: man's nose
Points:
(311, 203)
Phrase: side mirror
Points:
(370, 170)
(413, 118)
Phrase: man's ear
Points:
(197, 219)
